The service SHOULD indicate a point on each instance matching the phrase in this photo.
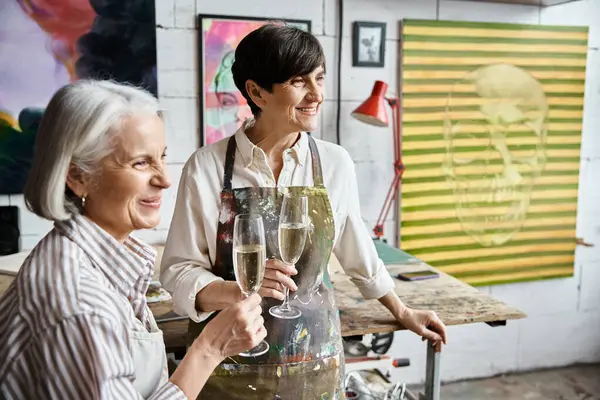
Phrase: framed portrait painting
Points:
(222, 107)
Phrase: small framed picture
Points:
(368, 44)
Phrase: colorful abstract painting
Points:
(492, 121)
(222, 106)
(45, 44)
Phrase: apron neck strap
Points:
(316, 161)
(230, 160)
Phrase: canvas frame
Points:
(532, 233)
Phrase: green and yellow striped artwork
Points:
(491, 135)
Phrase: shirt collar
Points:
(250, 152)
(122, 264)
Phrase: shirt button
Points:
(270, 182)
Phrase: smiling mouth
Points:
(152, 203)
(307, 110)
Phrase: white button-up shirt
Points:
(190, 251)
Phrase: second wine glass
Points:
(249, 259)
(293, 226)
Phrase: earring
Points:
(82, 201)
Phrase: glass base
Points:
(258, 350)
(285, 313)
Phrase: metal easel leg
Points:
(432, 372)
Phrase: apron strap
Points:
(316, 162)
(229, 161)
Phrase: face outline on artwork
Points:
(232, 110)
(493, 183)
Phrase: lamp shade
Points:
(373, 111)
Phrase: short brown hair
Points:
(273, 54)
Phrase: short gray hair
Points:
(75, 129)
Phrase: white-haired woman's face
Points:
(128, 192)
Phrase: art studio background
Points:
(552, 151)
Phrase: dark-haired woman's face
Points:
(295, 104)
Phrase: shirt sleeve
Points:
(355, 248)
(186, 265)
(86, 357)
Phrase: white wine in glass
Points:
(249, 259)
(249, 263)
(293, 227)
(292, 237)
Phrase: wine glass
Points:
(249, 258)
(293, 226)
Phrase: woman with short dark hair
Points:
(280, 70)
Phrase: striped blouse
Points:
(66, 319)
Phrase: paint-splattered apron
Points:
(306, 359)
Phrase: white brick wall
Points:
(564, 314)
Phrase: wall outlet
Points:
(9, 230)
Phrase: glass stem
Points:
(285, 306)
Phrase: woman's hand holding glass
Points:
(234, 330)
(277, 278)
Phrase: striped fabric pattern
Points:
(66, 319)
(491, 137)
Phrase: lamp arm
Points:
(387, 204)
(394, 103)
(398, 168)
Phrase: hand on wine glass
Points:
(234, 329)
(277, 278)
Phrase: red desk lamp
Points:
(373, 112)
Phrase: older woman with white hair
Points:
(74, 323)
